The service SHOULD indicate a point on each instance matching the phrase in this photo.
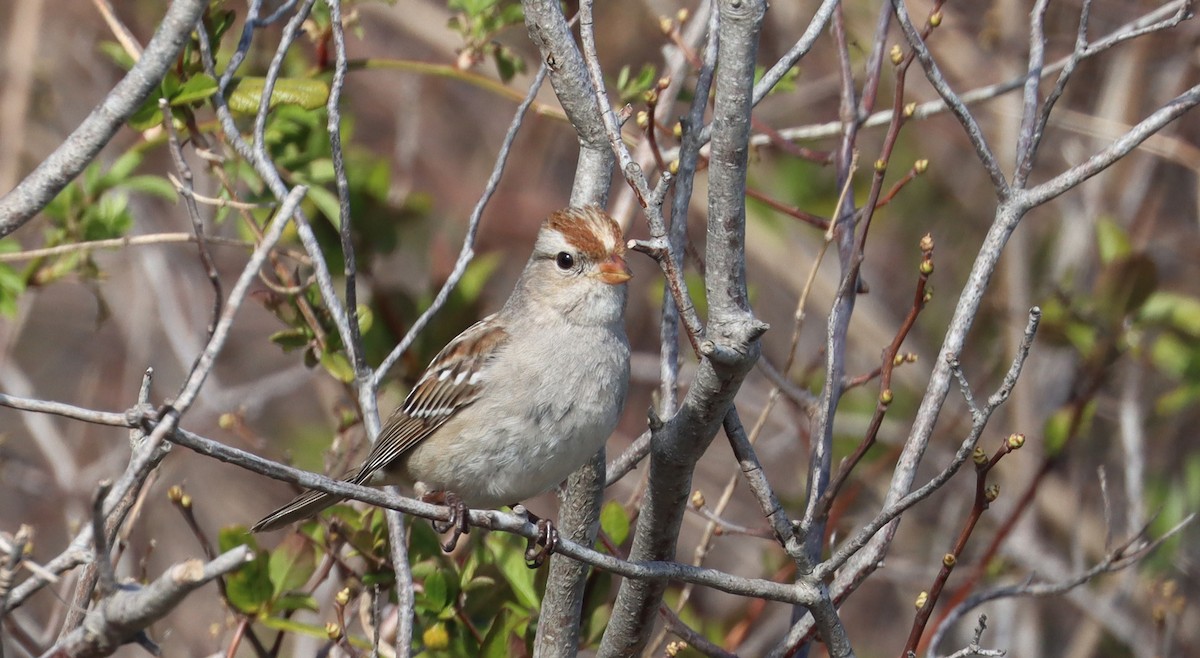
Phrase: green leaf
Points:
(327, 203)
(249, 587)
(614, 521)
(117, 54)
(366, 318)
(156, 186)
(293, 626)
(495, 643)
(520, 577)
(121, 168)
(197, 88)
(292, 563)
(1180, 312)
(291, 339)
(336, 364)
(148, 115)
(1112, 240)
(437, 592)
(478, 274)
(295, 601)
(245, 94)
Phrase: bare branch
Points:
(127, 613)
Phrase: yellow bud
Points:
(436, 637)
(333, 631)
(673, 167)
(643, 119)
(651, 96)
(920, 166)
(979, 456)
(880, 166)
(911, 357)
(226, 421)
(682, 15)
(926, 243)
(926, 267)
(928, 297)
(185, 501)
(948, 560)
(935, 19)
(922, 599)
(663, 83)
(665, 25)
(697, 499)
(991, 493)
(1015, 441)
(175, 494)
(898, 359)
(885, 397)
(896, 54)
(909, 110)
(343, 596)
(677, 131)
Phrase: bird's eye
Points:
(564, 260)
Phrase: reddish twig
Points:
(984, 495)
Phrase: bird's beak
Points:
(614, 271)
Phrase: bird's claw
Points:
(543, 545)
(457, 524)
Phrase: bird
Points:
(522, 398)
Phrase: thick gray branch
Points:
(119, 619)
(549, 30)
(732, 345)
(65, 163)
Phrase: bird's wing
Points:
(452, 381)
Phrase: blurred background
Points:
(1109, 393)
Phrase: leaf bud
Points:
(697, 499)
(665, 25)
(342, 597)
(885, 397)
(682, 15)
(926, 267)
(991, 493)
(922, 599)
(673, 167)
(909, 110)
(333, 631)
(1015, 441)
(979, 456)
(175, 494)
(948, 560)
(643, 119)
(935, 19)
(880, 166)
(920, 166)
(926, 243)
(896, 54)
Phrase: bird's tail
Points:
(302, 507)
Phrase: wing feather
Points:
(453, 380)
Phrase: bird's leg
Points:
(457, 524)
(543, 545)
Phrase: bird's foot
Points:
(457, 524)
(543, 545)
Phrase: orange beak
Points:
(614, 271)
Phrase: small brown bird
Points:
(523, 397)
